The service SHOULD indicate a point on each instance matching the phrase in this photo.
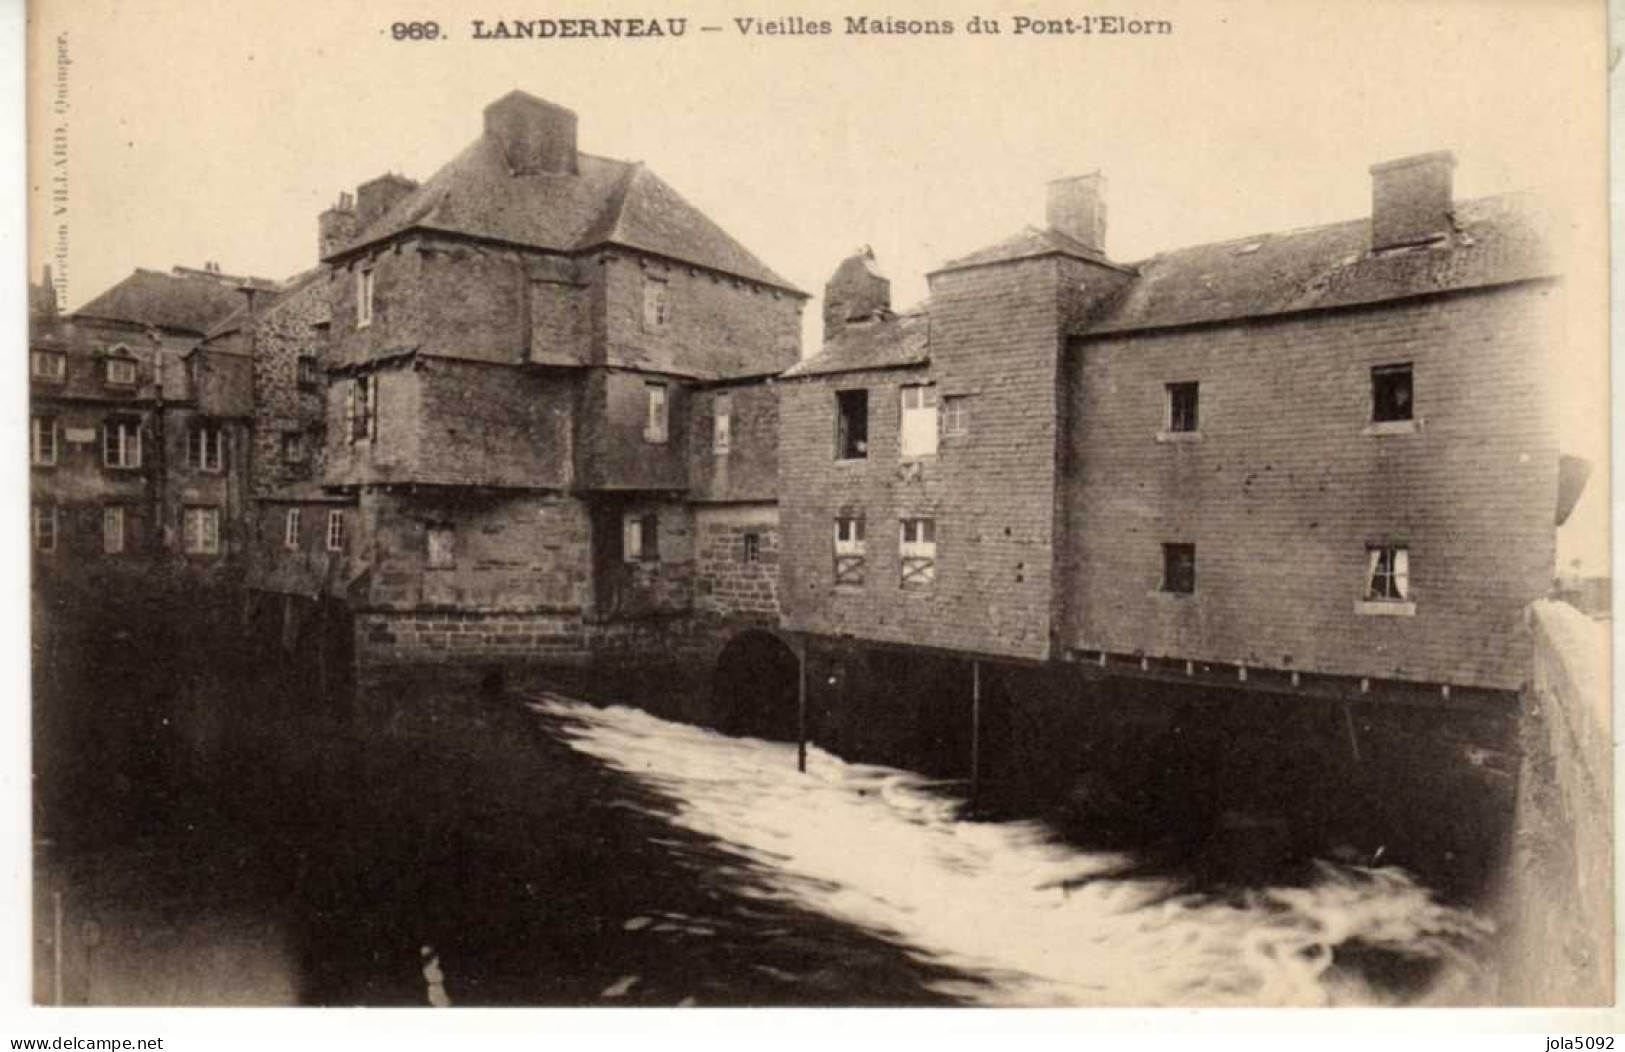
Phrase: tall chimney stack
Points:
(1412, 200)
(535, 136)
(377, 196)
(336, 227)
(856, 291)
(1077, 208)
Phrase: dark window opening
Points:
(1182, 406)
(1391, 393)
(1179, 568)
(852, 425)
(753, 547)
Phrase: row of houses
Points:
(540, 406)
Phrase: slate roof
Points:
(888, 342)
(606, 202)
(1029, 244)
(182, 302)
(1496, 240)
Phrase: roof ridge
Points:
(1309, 228)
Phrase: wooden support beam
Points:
(975, 728)
(801, 708)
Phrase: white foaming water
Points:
(1036, 922)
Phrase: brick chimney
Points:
(1411, 200)
(1077, 208)
(336, 227)
(374, 198)
(856, 291)
(536, 137)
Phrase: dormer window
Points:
(48, 365)
(120, 367)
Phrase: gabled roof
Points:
(1496, 241)
(889, 341)
(1030, 243)
(183, 302)
(606, 202)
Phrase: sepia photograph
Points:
(1030, 505)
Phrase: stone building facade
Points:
(524, 358)
(1323, 456)
(140, 436)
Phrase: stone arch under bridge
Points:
(754, 685)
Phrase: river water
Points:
(1013, 913)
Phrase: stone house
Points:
(1320, 461)
(139, 437)
(546, 403)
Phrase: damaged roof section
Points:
(886, 341)
(1492, 241)
(523, 182)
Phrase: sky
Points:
(206, 131)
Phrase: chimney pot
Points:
(1077, 208)
(535, 136)
(1412, 199)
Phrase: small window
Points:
(363, 298)
(121, 370)
(121, 444)
(45, 529)
(206, 447)
(293, 447)
(1183, 401)
(290, 530)
(42, 441)
(310, 372)
(656, 304)
(192, 372)
(657, 412)
(640, 538)
(1391, 394)
(361, 407)
(1179, 568)
(202, 530)
(113, 530)
(1388, 573)
(851, 425)
(753, 547)
(851, 553)
(918, 549)
(955, 415)
(335, 531)
(442, 547)
(48, 365)
(722, 425)
(918, 433)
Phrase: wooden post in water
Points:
(975, 728)
(801, 707)
(56, 947)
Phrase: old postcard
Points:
(977, 504)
